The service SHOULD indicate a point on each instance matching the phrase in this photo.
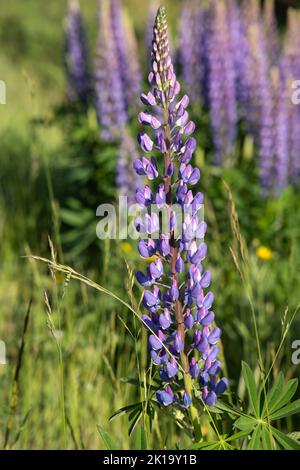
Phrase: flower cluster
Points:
(183, 339)
(76, 55)
(239, 48)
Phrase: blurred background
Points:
(57, 165)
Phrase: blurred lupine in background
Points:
(76, 55)
(272, 34)
(192, 47)
(117, 85)
(183, 339)
(127, 54)
(221, 93)
(111, 104)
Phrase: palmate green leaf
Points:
(237, 436)
(285, 441)
(255, 442)
(288, 410)
(106, 439)
(267, 438)
(287, 394)
(125, 410)
(135, 418)
(220, 406)
(245, 423)
(137, 383)
(273, 395)
(251, 387)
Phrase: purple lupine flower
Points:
(192, 48)
(272, 36)
(260, 104)
(239, 49)
(291, 72)
(222, 90)
(110, 99)
(126, 177)
(127, 55)
(179, 311)
(76, 55)
(280, 131)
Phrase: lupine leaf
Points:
(255, 442)
(288, 410)
(267, 438)
(251, 387)
(245, 423)
(224, 407)
(285, 441)
(287, 394)
(124, 410)
(135, 422)
(236, 436)
(274, 394)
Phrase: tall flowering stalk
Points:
(76, 55)
(110, 99)
(183, 337)
(222, 82)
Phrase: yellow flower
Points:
(126, 247)
(264, 253)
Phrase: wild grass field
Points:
(75, 353)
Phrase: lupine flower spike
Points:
(110, 99)
(183, 339)
(76, 55)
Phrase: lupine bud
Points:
(177, 279)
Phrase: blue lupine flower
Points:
(179, 310)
